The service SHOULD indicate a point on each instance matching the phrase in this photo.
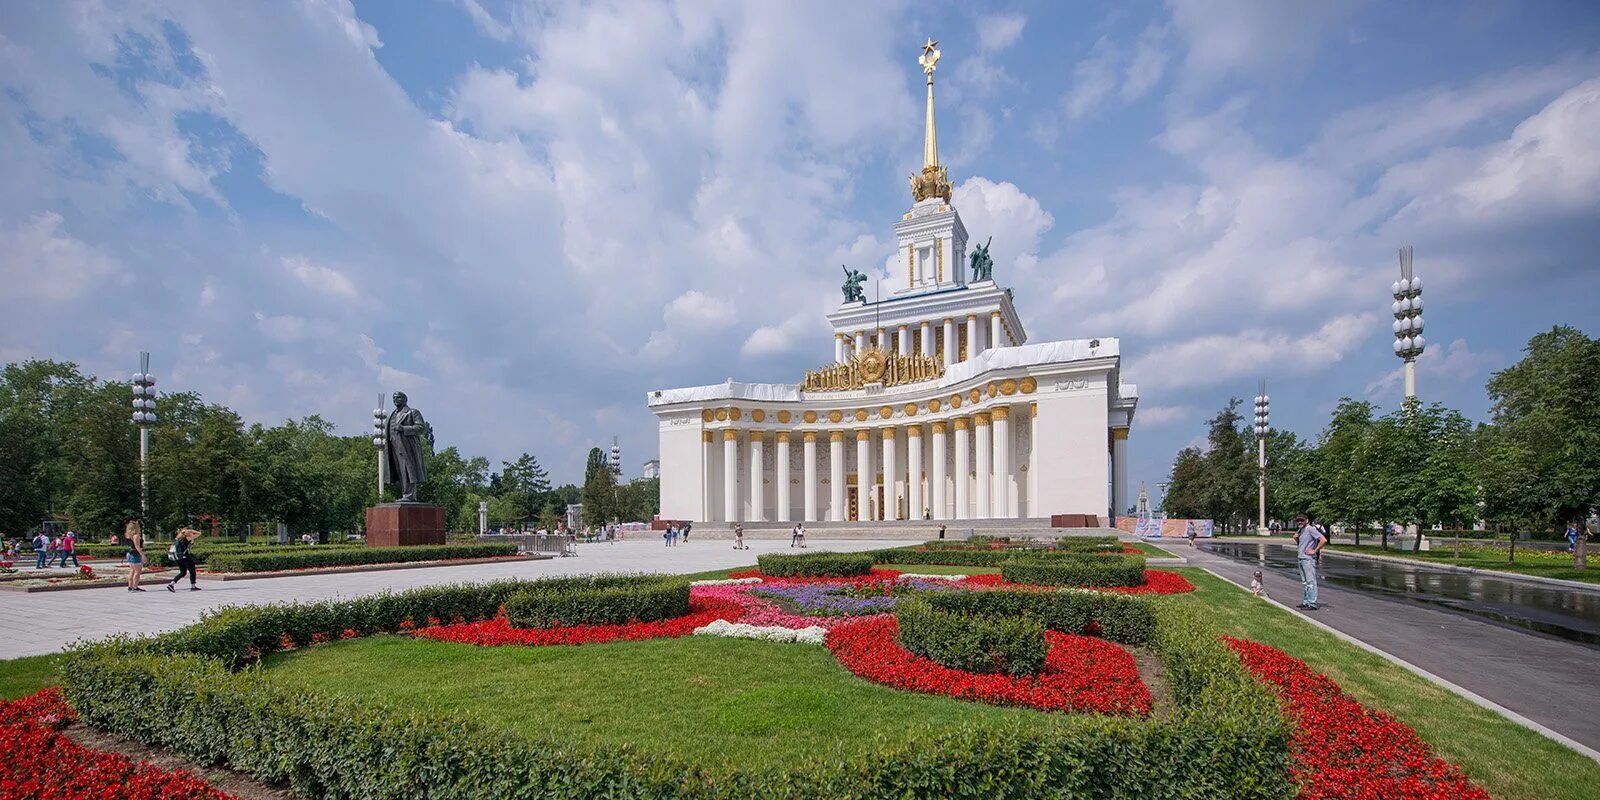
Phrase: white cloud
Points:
(1147, 65)
(997, 32)
(696, 310)
(1208, 360)
(1251, 36)
(771, 340)
(1014, 219)
(318, 278)
(1093, 80)
(40, 262)
(1158, 416)
(484, 21)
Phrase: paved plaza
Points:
(45, 622)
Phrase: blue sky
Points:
(528, 214)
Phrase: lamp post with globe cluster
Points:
(144, 415)
(1263, 424)
(1408, 341)
(377, 442)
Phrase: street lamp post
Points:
(1408, 341)
(144, 415)
(1263, 424)
(378, 442)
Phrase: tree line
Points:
(68, 452)
(1533, 466)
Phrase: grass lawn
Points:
(1510, 761)
(20, 677)
(1151, 550)
(1544, 564)
(722, 701)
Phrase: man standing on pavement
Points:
(1308, 543)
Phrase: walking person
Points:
(1572, 537)
(182, 553)
(941, 530)
(133, 541)
(687, 526)
(1189, 532)
(69, 549)
(738, 538)
(1308, 543)
(41, 549)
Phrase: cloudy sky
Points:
(528, 214)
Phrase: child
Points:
(1255, 584)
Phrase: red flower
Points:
(349, 633)
(433, 622)
(1343, 749)
(319, 637)
(30, 725)
(286, 642)
(1081, 673)
(498, 631)
(408, 625)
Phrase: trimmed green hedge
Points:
(1118, 617)
(308, 557)
(972, 642)
(1089, 544)
(814, 565)
(603, 602)
(1078, 570)
(180, 691)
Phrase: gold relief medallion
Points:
(835, 415)
(1028, 385)
(708, 415)
(955, 401)
(911, 409)
(886, 412)
(784, 417)
(809, 416)
(722, 415)
(872, 364)
(974, 395)
(758, 415)
(1008, 387)
(734, 414)
(993, 389)
(861, 415)
(934, 406)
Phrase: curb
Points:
(1475, 698)
(1490, 573)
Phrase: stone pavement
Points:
(46, 622)
(1545, 679)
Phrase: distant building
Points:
(575, 516)
(652, 469)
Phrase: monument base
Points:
(404, 524)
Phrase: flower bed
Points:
(845, 599)
(876, 575)
(1076, 569)
(499, 632)
(1343, 749)
(1081, 673)
(45, 763)
(1155, 582)
(1009, 644)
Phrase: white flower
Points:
(921, 576)
(767, 633)
(725, 582)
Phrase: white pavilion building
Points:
(936, 405)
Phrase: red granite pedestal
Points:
(403, 524)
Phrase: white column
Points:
(914, 501)
(950, 349)
(1002, 462)
(984, 470)
(905, 341)
(730, 475)
(810, 479)
(758, 476)
(972, 335)
(838, 348)
(783, 477)
(863, 474)
(861, 342)
(963, 465)
(927, 339)
(891, 502)
(1119, 472)
(836, 476)
(996, 332)
(708, 472)
(939, 476)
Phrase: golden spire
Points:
(933, 181)
(930, 139)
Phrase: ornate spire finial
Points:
(933, 181)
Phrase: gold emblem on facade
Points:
(708, 415)
(734, 414)
(784, 417)
(758, 415)
(934, 406)
(861, 415)
(911, 409)
(873, 365)
(955, 401)
(1028, 385)
(835, 415)
(809, 416)
(722, 415)
(886, 412)
(1008, 387)
(974, 395)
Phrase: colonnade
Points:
(954, 339)
(981, 483)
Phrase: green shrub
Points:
(970, 642)
(1089, 544)
(815, 565)
(945, 557)
(283, 558)
(1225, 738)
(1119, 617)
(611, 602)
(1075, 570)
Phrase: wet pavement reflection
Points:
(1572, 614)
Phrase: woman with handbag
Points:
(182, 553)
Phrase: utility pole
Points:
(144, 415)
(379, 440)
(1408, 341)
(1263, 423)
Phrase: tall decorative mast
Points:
(933, 181)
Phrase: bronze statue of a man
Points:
(404, 433)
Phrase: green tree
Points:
(597, 462)
(1546, 409)
(451, 478)
(639, 500)
(1185, 497)
(600, 498)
